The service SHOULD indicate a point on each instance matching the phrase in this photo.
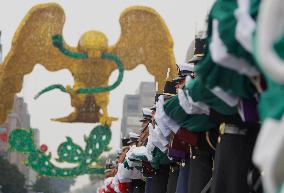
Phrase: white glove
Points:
(165, 123)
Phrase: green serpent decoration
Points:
(96, 143)
(58, 42)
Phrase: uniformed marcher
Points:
(199, 136)
(202, 154)
(229, 71)
(137, 185)
(173, 178)
(161, 162)
(201, 143)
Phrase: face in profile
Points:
(180, 84)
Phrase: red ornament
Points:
(43, 148)
(4, 137)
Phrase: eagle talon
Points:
(105, 120)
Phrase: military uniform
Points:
(228, 70)
(182, 182)
(173, 178)
(193, 116)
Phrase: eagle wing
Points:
(145, 39)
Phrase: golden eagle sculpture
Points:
(145, 39)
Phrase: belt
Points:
(230, 129)
(233, 129)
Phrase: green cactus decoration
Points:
(96, 143)
(70, 152)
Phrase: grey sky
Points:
(183, 18)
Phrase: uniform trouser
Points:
(233, 162)
(201, 164)
(173, 177)
(148, 185)
(183, 178)
(138, 186)
(160, 180)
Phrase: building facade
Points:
(18, 118)
(132, 105)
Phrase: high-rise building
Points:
(131, 114)
(132, 105)
(19, 118)
(146, 92)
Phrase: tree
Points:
(43, 185)
(53, 185)
(11, 179)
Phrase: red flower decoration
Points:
(43, 148)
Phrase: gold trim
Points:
(222, 128)
(209, 141)
(221, 131)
